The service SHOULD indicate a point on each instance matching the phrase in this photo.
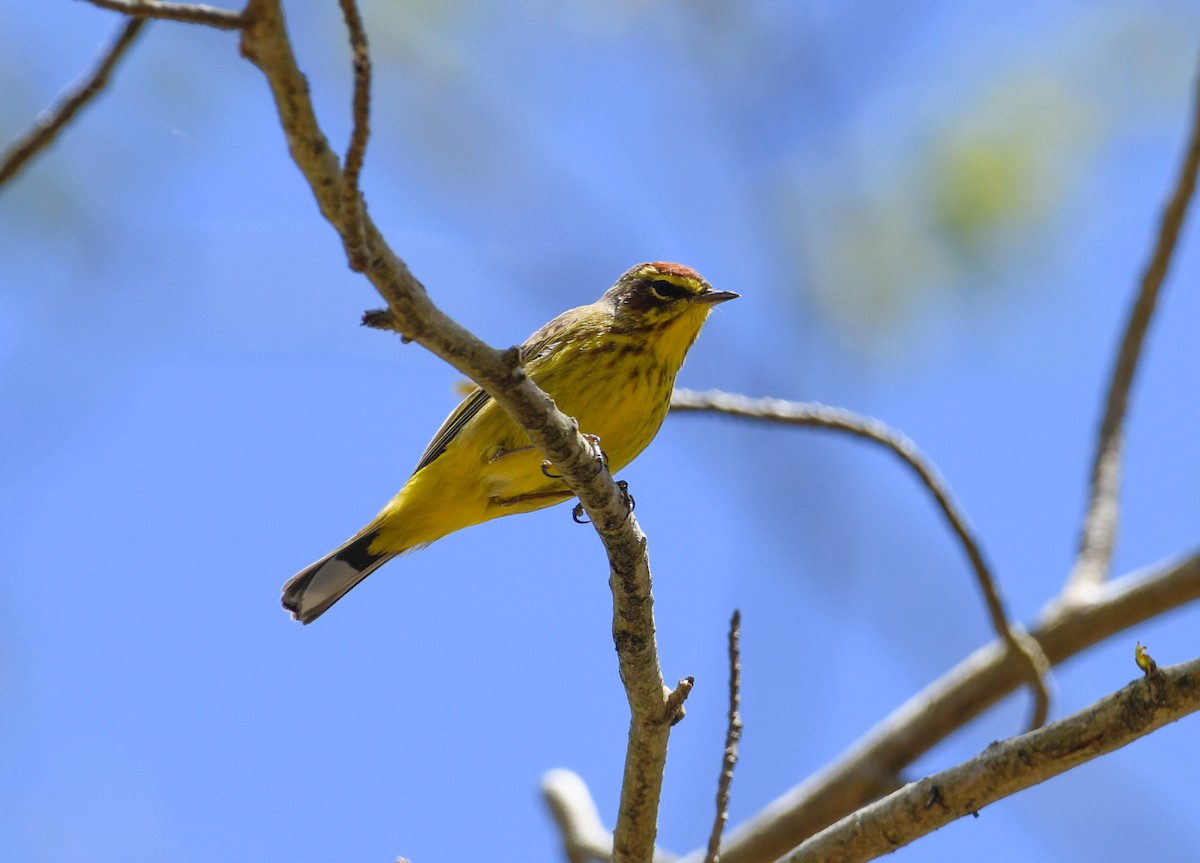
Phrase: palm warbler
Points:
(611, 365)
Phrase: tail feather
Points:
(311, 591)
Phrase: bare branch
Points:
(733, 734)
(869, 769)
(1003, 769)
(653, 708)
(352, 199)
(265, 43)
(583, 835)
(51, 121)
(673, 710)
(191, 13)
(814, 415)
(1098, 535)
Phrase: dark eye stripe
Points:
(669, 290)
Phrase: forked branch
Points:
(1098, 536)
(50, 123)
(1091, 609)
(266, 44)
(865, 771)
(813, 415)
(1003, 769)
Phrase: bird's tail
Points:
(311, 591)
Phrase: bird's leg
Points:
(549, 496)
(594, 450)
(593, 442)
(623, 487)
(547, 467)
(501, 453)
(577, 514)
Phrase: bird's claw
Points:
(595, 450)
(579, 516)
(624, 489)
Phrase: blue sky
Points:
(935, 215)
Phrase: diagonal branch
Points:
(48, 125)
(871, 767)
(1003, 769)
(822, 416)
(1099, 532)
(265, 43)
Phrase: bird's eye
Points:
(667, 291)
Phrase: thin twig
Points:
(352, 199)
(822, 416)
(733, 734)
(866, 770)
(673, 709)
(1003, 769)
(191, 13)
(51, 121)
(1098, 535)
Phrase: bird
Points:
(611, 365)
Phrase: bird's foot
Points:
(595, 450)
(580, 517)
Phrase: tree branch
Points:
(1003, 769)
(51, 121)
(814, 415)
(190, 13)
(1082, 617)
(871, 767)
(733, 734)
(583, 834)
(265, 43)
(352, 199)
(1098, 535)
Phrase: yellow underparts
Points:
(618, 387)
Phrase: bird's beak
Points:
(711, 298)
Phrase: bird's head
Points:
(656, 294)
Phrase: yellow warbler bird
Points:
(611, 365)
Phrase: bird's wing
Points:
(542, 343)
(535, 349)
(454, 423)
